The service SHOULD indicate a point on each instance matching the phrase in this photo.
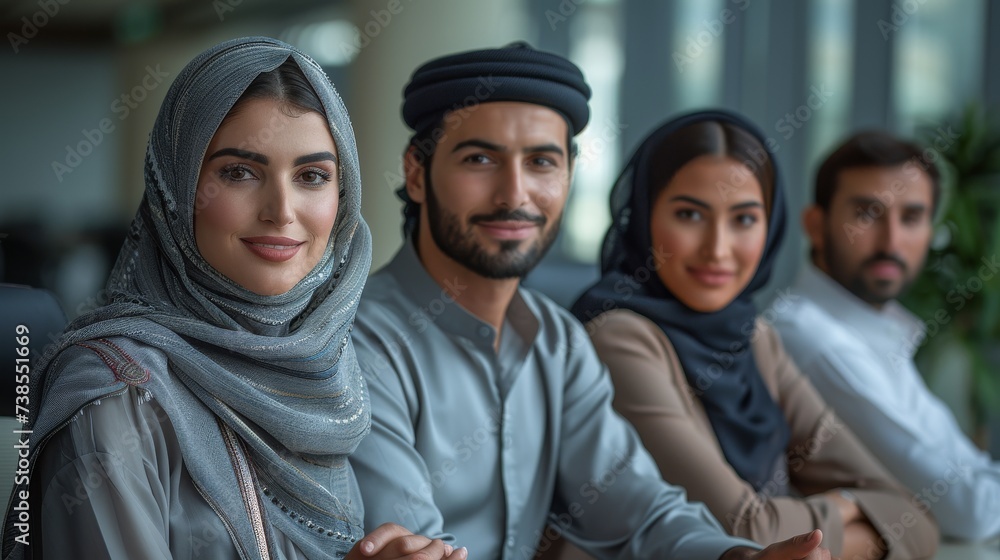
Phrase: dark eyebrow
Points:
(862, 200)
(747, 204)
(915, 206)
(479, 144)
(692, 200)
(252, 156)
(553, 148)
(312, 158)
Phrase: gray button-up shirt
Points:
(482, 447)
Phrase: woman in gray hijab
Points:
(209, 408)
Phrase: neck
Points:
(486, 298)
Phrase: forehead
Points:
(507, 123)
(269, 125)
(716, 179)
(905, 183)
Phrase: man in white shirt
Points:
(870, 228)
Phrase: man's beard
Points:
(875, 292)
(460, 245)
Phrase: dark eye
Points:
(236, 172)
(315, 177)
(477, 158)
(688, 215)
(542, 161)
(913, 218)
(746, 220)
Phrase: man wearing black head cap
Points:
(491, 412)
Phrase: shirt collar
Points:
(887, 329)
(436, 304)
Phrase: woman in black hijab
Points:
(698, 218)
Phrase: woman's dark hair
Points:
(285, 83)
(710, 138)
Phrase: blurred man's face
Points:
(874, 238)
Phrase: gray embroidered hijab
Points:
(277, 371)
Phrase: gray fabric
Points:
(482, 447)
(280, 371)
(128, 496)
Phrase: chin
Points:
(268, 290)
(706, 307)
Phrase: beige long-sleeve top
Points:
(652, 392)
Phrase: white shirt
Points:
(861, 361)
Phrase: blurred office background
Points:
(83, 80)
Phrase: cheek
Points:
(207, 213)
(216, 210)
(917, 242)
(748, 249)
(552, 193)
(670, 237)
(320, 214)
(676, 245)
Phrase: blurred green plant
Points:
(960, 282)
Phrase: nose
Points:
(715, 242)
(276, 203)
(889, 232)
(512, 190)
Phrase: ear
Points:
(413, 170)
(814, 224)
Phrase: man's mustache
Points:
(509, 216)
(886, 257)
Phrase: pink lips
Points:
(509, 230)
(885, 270)
(274, 249)
(711, 276)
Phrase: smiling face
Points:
(498, 183)
(710, 220)
(265, 210)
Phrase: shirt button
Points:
(484, 331)
(510, 542)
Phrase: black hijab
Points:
(714, 348)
